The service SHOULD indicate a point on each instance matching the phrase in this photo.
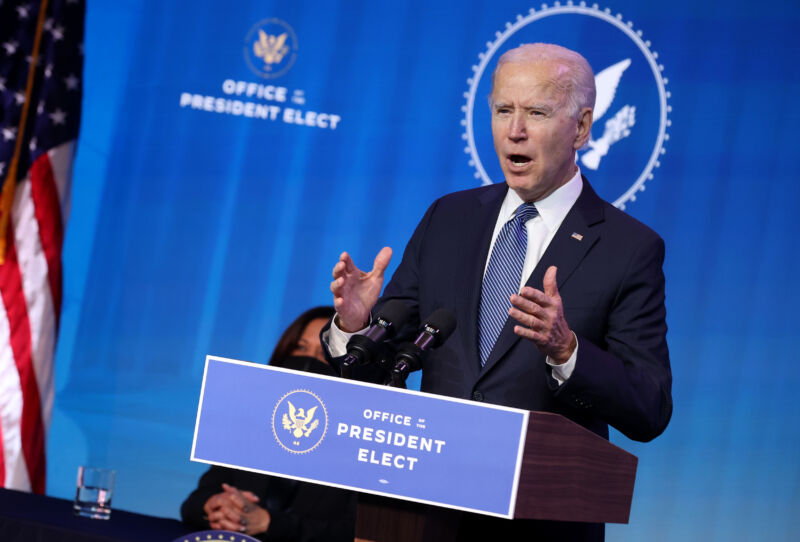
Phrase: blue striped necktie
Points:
(502, 278)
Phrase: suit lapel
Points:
(565, 251)
(480, 224)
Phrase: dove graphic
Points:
(617, 127)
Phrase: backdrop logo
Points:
(299, 421)
(631, 110)
(270, 48)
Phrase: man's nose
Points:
(517, 130)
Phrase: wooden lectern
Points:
(568, 473)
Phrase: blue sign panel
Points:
(399, 443)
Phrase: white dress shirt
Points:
(541, 230)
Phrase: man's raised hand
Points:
(356, 292)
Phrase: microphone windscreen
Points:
(444, 321)
(395, 312)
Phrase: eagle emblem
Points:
(291, 425)
(300, 422)
(617, 127)
(271, 49)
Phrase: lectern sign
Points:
(398, 443)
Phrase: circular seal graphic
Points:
(227, 536)
(631, 113)
(299, 421)
(270, 48)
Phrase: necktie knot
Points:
(525, 212)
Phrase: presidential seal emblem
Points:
(299, 421)
(631, 114)
(215, 535)
(270, 48)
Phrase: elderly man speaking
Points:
(558, 295)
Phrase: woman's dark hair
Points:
(291, 336)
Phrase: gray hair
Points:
(576, 82)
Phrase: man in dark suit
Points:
(559, 296)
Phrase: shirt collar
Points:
(553, 208)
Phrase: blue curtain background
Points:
(194, 232)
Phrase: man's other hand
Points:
(542, 317)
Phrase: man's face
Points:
(534, 135)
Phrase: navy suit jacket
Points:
(612, 286)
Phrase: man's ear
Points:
(584, 128)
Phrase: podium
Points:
(568, 474)
(419, 459)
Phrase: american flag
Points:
(41, 60)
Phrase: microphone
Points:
(436, 329)
(362, 349)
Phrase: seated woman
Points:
(267, 507)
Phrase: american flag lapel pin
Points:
(578, 236)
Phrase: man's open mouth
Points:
(519, 160)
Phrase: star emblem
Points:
(10, 47)
(58, 33)
(58, 116)
(2, 167)
(19, 98)
(9, 133)
(71, 82)
(32, 144)
(23, 12)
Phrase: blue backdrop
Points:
(201, 224)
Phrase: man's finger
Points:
(339, 269)
(549, 282)
(527, 333)
(528, 297)
(349, 266)
(382, 261)
(522, 317)
(537, 296)
(526, 306)
(337, 285)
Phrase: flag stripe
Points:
(20, 341)
(36, 282)
(48, 217)
(15, 474)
